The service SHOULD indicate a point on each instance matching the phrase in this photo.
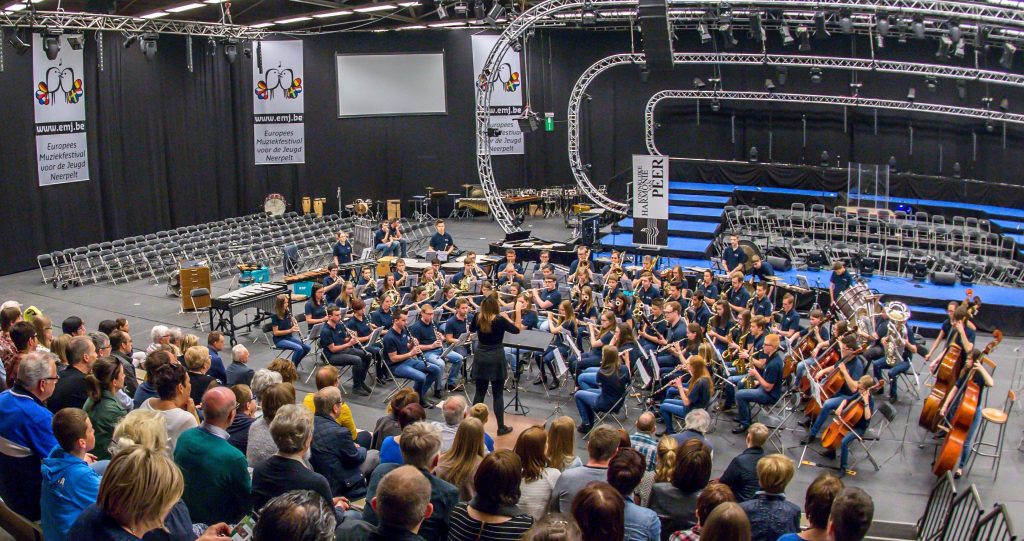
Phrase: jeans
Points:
(392, 248)
(498, 395)
(423, 374)
(434, 357)
(298, 348)
(894, 373)
(590, 359)
(359, 361)
(545, 325)
(586, 400)
(587, 379)
(844, 449)
(511, 358)
(672, 408)
(743, 397)
(667, 362)
(801, 368)
(404, 247)
(827, 408)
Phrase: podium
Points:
(193, 275)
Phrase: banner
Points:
(506, 95)
(59, 94)
(279, 105)
(650, 200)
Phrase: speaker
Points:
(657, 34)
(780, 264)
(940, 278)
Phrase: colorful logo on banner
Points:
(277, 78)
(59, 80)
(509, 79)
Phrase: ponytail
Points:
(104, 371)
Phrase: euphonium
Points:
(897, 335)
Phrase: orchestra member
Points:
(766, 371)
(431, 342)
(612, 379)
(839, 282)
(369, 284)
(510, 262)
(675, 331)
(390, 290)
(360, 325)
(700, 313)
(342, 347)
(342, 253)
(585, 306)
(612, 284)
(864, 385)
(707, 286)
(615, 263)
(333, 284)
(973, 370)
(316, 309)
(429, 282)
(285, 330)
(401, 275)
(397, 236)
(381, 317)
(696, 395)
(581, 277)
(599, 338)
(384, 243)
(655, 326)
(738, 295)
(721, 325)
(509, 275)
(945, 331)
(762, 305)
(405, 358)
(441, 241)
(674, 292)
(790, 326)
(348, 294)
(647, 291)
(902, 365)
(851, 366)
(960, 334)
(457, 325)
(583, 254)
(733, 256)
(565, 321)
(761, 270)
(548, 298)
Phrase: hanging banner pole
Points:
(279, 105)
(59, 95)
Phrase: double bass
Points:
(945, 379)
(953, 446)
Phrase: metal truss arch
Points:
(133, 25)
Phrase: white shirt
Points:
(535, 495)
(177, 420)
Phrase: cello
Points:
(828, 358)
(945, 378)
(833, 384)
(844, 422)
(802, 349)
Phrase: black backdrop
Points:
(168, 147)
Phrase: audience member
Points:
(69, 484)
(292, 430)
(817, 507)
(402, 503)
(296, 515)
(174, 403)
(107, 326)
(712, 496)
(44, 332)
(261, 443)
(146, 390)
(387, 425)
(482, 413)
(696, 424)
(600, 512)
(493, 514)
(140, 427)
(625, 470)
(561, 450)
(262, 379)
(73, 325)
(390, 451)
(159, 335)
(197, 360)
(453, 410)
(554, 527)
(23, 336)
(217, 484)
(333, 452)
(741, 473)
(645, 443)
(8, 317)
(25, 422)
(727, 522)
(420, 444)
(102, 406)
(603, 443)
(458, 465)
(770, 514)
(852, 512)
(71, 390)
(238, 371)
(676, 501)
(238, 432)
(330, 376)
(121, 349)
(59, 347)
(215, 344)
(286, 368)
(538, 479)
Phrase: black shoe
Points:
(829, 454)
(438, 393)
(502, 430)
(539, 381)
(361, 390)
(740, 429)
(893, 400)
(583, 429)
(842, 473)
(806, 423)
(427, 404)
(806, 440)
(554, 385)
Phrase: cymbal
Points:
(468, 185)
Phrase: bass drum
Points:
(751, 250)
(859, 305)
(174, 283)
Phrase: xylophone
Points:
(224, 308)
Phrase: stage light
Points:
(51, 42)
(879, 41)
(211, 47)
(820, 32)
(529, 121)
(961, 89)
(980, 36)
(442, 12)
(705, 36)
(716, 105)
(698, 83)
(769, 86)
(956, 169)
(855, 89)
(815, 261)
(868, 266)
(892, 164)
(517, 46)
(945, 44)
(231, 50)
(989, 126)
(497, 12)
(1006, 60)
(816, 75)
(588, 16)
(780, 75)
(932, 83)
(911, 94)
(76, 41)
(756, 28)
(753, 155)
(645, 75)
(725, 27)
(19, 44)
(918, 27)
(919, 270)
(960, 50)
(805, 39)
(882, 24)
(954, 31)
(787, 36)
(478, 10)
(846, 21)
(967, 275)
(1004, 104)
(147, 42)
(824, 158)
(461, 8)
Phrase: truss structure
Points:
(132, 25)
(841, 101)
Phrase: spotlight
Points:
(716, 105)
(698, 83)
(769, 86)
(855, 89)
(493, 132)
(461, 8)
(945, 44)
(956, 169)
(51, 42)
(820, 32)
(879, 41)
(588, 16)
(954, 31)
(918, 27)
(231, 50)
(932, 83)
(882, 25)
(76, 41)
(787, 37)
(705, 36)
(815, 261)
(753, 155)
(780, 75)
(989, 126)
(725, 26)
(247, 51)
(147, 42)
(805, 39)
(911, 94)
(846, 21)
(892, 164)
(919, 270)
(498, 11)
(756, 28)
(961, 89)
(960, 49)
(824, 158)
(967, 275)
(645, 75)
(816, 75)
(1006, 60)
(130, 40)
(529, 122)
(211, 47)
(987, 102)
(19, 44)
(980, 36)
(1004, 104)
(442, 12)
(517, 46)
(479, 10)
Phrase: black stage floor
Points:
(900, 489)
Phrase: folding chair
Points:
(885, 414)
(619, 406)
(313, 339)
(198, 293)
(267, 334)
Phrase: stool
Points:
(995, 416)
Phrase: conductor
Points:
(489, 364)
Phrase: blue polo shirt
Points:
(710, 292)
(647, 295)
(791, 321)
(857, 367)
(381, 318)
(765, 270)
(504, 267)
(332, 337)
(314, 311)
(554, 296)
(674, 334)
(841, 283)
(530, 319)
(424, 332)
(733, 257)
(455, 327)
(24, 420)
(739, 298)
(343, 252)
(331, 295)
(393, 342)
(762, 307)
(440, 243)
(772, 373)
(702, 315)
(824, 332)
(362, 328)
(378, 237)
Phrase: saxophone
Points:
(749, 382)
(897, 334)
(739, 363)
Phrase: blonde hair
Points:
(189, 341)
(140, 427)
(59, 347)
(561, 442)
(465, 454)
(42, 324)
(139, 488)
(667, 449)
(774, 472)
(196, 357)
(480, 412)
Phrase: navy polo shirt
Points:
(504, 267)
(710, 292)
(424, 332)
(733, 257)
(331, 295)
(791, 321)
(772, 373)
(576, 264)
(361, 327)
(381, 318)
(378, 237)
(758, 340)
(765, 270)
(315, 312)
(343, 252)
(762, 307)
(440, 243)
(455, 327)
(724, 331)
(394, 342)
(586, 314)
(702, 315)
(647, 295)
(674, 334)
(336, 336)
(530, 320)
(841, 283)
(739, 298)
(554, 296)
(856, 367)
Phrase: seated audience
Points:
(603, 443)
(174, 403)
(390, 451)
(25, 423)
(401, 503)
(770, 514)
(538, 479)
(261, 444)
(712, 496)
(299, 515)
(600, 512)
(217, 484)
(665, 463)
(121, 349)
(482, 413)
(102, 406)
(388, 424)
(852, 512)
(561, 450)
(741, 473)
(71, 390)
(727, 522)
(292, 430)
(146, 390)
(420, 444)
(554, 527)
(262, 379)
(645, 442)
(696, 424)
(238, 432)
(676, 501)
(625, 471)
(333, 453)
(493, 514)
(73, 325)
(69, 484)
(159, 335)
(287, 370)
(197, 360)
(23, 336)
(330, 376)
(817, 507)
(459, 463)
(215, 343)
(453, 410)
(238, 371)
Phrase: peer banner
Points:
(59, 94)
(279, 103)
(506, 94)
(650, 200)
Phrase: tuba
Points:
(897, 334)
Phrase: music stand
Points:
(562, 374)
(530, 341)
(816, 394)
(431, 255)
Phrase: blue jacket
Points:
(144, 393)
(217, 366)
(334, 455)
(69, 486)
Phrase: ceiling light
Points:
(408, 4)
(588, 16)
(147, 42)
(155, 15)
(76, 41)
(911, 95)
(370, 9)
(780, 74)
(294, 20)
(805, 39)
(262, 25)
(51, 42)
(442, 12)
(130, 40)
(932, 83)
(945, 44)
(882, 24)
(214, 1)
(715, 105)
(478, 10)
(787, 37)
(1004, 104)
(186, 7)
(19, 44)
(820, 32)
(816, 75)
(1006, 60)
(769, 86)
(961, 89)
(705, 36)
(231, 50)
(497, 12)
(330, 14)
(954, 31)
(756, 28)
(918, 27)
(698, 83)
(412, 27)
(846, 21)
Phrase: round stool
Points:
(997, 417)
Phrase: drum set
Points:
(365, 208)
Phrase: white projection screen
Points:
(390, 84)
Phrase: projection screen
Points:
(390, 84)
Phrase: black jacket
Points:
(358, 530)
(334, 455)
(741, 474)
(131, 381)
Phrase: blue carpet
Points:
(730, 188)
(687, 198)
(678, 227)
(704, 212)
(700, 186)
(927, 310)
(676, 244)
(1010, 226)
(925, 324)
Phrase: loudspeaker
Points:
(657, 34)
(940, 278)
(780, 264)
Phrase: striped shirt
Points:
(462, 527)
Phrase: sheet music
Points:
(560, 366)
(644, 376)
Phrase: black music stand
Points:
(530, 341)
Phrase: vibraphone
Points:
(479, 204)
(225, 308)
(317, 275)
